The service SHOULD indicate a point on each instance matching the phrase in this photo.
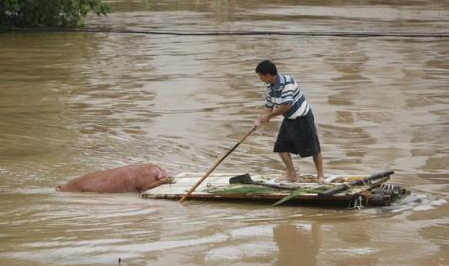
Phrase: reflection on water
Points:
(300, 242)
(71, 103)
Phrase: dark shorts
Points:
(298, 136)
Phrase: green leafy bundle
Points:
(301, 191)
(242, 190)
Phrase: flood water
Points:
(73, 103)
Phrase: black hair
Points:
(266, 66)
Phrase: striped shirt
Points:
(287, 91)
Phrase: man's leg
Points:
(287, 159)
(318, 161)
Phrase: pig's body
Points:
(131, 178)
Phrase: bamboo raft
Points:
(350, 190)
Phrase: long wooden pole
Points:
(216, 164)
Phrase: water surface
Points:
(72, 103)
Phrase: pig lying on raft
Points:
(130, 178)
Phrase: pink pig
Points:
(130, 178)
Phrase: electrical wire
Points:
(352, 34)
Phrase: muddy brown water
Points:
(72, 103)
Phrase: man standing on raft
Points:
(297, 134)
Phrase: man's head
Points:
(267, 71)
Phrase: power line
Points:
(352, 34)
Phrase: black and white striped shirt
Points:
(287, 91)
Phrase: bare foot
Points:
(321, 180)
(289, 179)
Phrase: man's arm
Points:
(268, 113)
(279, 111)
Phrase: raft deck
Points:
(217, 187)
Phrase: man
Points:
(297, 133)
